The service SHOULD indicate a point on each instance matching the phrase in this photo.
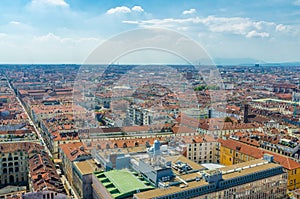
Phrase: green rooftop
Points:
(122, 183)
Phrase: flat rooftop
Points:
(243, 165)
(276, 100)
(229, 172)
(174, 189)
(212, 166)
(181, 158)
(85, 167)
(122, 183)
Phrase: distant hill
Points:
(251, 62)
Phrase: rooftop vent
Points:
(81, 148)
(74, 152)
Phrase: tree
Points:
(228, 119)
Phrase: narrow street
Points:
(63, 178)
(30, 121)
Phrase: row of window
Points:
(195, 153)
(200, 144)
(191, 193)
(15, 153)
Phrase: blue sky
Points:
(67, 31)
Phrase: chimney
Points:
(209, 113)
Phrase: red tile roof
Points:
(255, 152)
(73, 150)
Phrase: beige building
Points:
(10, 191)
(13, 165)
(70, 153)
(257, 179)
(201, 148)
(82, 178)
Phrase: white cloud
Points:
(124, 9)
(234, 25)
(14, 22)
(60, 49)
(131, 22)
(48, 37)
(120, 9)
(2, 35)
(282, 28)
(60, 3)
(297, 2)
(189, 12)
(137, 9)
(254, 33)
(51, 37)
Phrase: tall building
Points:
(296, 97)
(138, 116)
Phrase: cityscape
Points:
(153, 105)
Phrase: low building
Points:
(27, 164)
(12, 191)
(82, 178)
(118, 184)
(44, 194)
(234, 152)
(14, 163)
(258, 179)
(201, 148)
(70, 153)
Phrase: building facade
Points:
(13, 165)
(234, 152)
(258, 179)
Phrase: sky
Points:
(67, 31)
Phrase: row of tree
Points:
(209, 87)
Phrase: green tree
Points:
(228, 119)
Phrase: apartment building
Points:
(261, 179)
(201, 148)
(234, 152)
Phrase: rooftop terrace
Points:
(122, 183)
